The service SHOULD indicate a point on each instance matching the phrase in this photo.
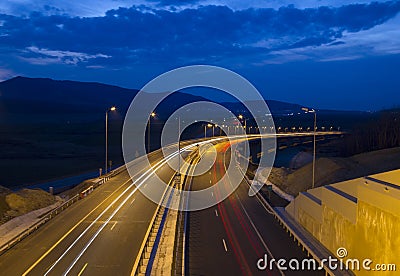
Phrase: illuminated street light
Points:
(152, 115)
(113, 108)
(315, 132)
(205, 129)
(241, 117)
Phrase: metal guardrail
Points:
(157, 240)
(299, 237)
(35, 226)
(148, 250)
(51, 214)
(54, 212)
(147, 245)
(178, 267)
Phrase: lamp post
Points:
(113, 108)
(205, 129)
(315, 132)
(152, 115)
(241, 117)
(245, 122)
(179, 146)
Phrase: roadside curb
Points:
(46, 216)
(303, 238)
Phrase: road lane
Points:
(61, 229)
(37, 253)
(248, 229)
(113, 251)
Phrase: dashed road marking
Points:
(226, 248)
(83, 269)
(112, 227)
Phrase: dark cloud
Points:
(174, 2)
(209, 33)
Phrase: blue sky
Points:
(325, 54)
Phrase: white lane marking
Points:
(112, 227)
(83, 268)
(226, 248)
(133, 201)
(216, 212)
(99, 230)
(150, 172)
(251, 222)
(84, 232)
(76, 225)
(257, 232)
(135, 266)
(66, 234)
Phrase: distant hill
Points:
(43, 94)
(51, 128)
(47, 92)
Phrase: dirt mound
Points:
(4, 191)
(332, 170)
(13, 204)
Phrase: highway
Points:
(100, 235)
(230, 237)
(103, 233)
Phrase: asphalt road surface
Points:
(99, 235)
(229, 238)
(102, 234)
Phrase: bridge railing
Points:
(44, 218)
(303, 238)
(54, 212)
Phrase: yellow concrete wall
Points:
(340, 204)
(377, 238)
(310, 223)
(369, 229)
(376, 195)
(392, 177)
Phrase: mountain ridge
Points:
(96, 94)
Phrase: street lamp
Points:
(179, 147)
(315, 132)
(113, 108)
(208, 126)
(211, 126)
(241, 117)
(152, 115)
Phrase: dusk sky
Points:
(324, 54)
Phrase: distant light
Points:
(152, 114)
(113, 108)
(308, 110)
(209, 125)
(240, 116)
